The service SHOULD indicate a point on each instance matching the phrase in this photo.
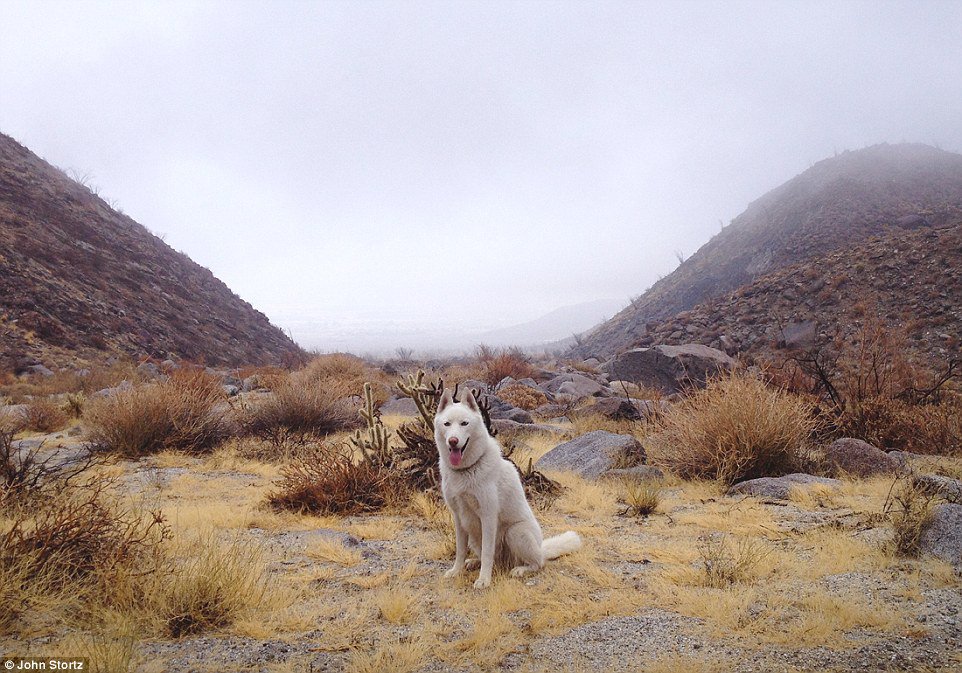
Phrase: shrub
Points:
(64, 538)
(909, 507)
(641, 498)
(522, 396)
(42, 415)
(185, 413)
(896, 424)
(211, 585)
(511, 362)
(327, 480)
(300, 406)
(737, 428)
(725, 563)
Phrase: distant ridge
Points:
(837, 205)
(79, 280)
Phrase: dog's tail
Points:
(565, 543)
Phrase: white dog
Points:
(486, 499)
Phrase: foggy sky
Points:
(461, 165)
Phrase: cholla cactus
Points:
(375, 447)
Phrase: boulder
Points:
(943, 537)
(592, 454)
(636, 473)
(799, 334)
(630, 409)
(231, 390)
(107, 392)
(574, 385)
(780, 488)
(507, 428)
(498, 408)
(551, 410)
(944, 487)
(148, 370)
(670, 369)
(39, 370)
(399, 406)
(859, 459)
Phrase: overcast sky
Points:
(455, 164)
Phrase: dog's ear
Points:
(446, 399)
(469, 401)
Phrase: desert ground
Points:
(674, 574)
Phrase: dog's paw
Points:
(453, 572)
(472, 564)
(482, 583)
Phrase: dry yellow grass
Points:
(395, 611)
(333, 551)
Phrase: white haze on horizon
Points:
(434, 170)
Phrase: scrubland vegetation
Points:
(279, 528)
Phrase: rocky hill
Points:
(811, 227)
(910, 281)
(79, 280)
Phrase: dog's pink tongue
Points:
(455, 456)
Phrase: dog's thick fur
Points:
(492, 518)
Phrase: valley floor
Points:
(808, 585)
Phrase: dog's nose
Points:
(453, 442)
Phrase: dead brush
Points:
(909, 508)
(298, 408)
(73, 404)
(499, 364)
(724, 563)
(43, 415)
(185, 412)
(328, 480)
(737, 428)
(522, 396)
(211, 584)
(641, 498)
(64, 538)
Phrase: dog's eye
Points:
(447, 423)
(464, 422)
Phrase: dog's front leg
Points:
(460, 543)
(489, 538)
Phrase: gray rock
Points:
(592, 454)
(399, 406)
(858, 459)
(39, 370)
(107, 392)
(498, 408)
(168, 364)
(799, 334)
(507, 427)
(231, 390)
(252, 382)
(944, 487)
(636, 473)
(670, 369)
(616, 408)
(630, 409)
(943, 537)
(550, 410)
(148, 370)
(575, 385)
(779, 488)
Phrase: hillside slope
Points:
(909, 281)
(79, 279)
(836, 204)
